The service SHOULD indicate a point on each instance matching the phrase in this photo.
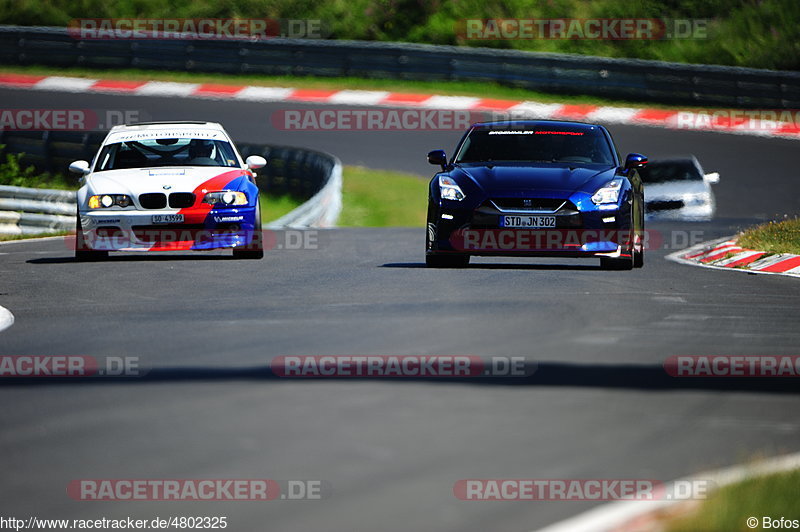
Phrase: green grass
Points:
(380, 198)
(773, 237)
(14, 173)
(756, 33)
(6, 238)
(448, 88)
(273, 207)
(729, 508)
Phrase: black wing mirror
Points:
(438, 157)
(635, 160)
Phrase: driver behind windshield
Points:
(200, 153)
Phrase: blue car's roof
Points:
(530, 123)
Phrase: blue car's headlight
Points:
(608, 193)
(449, 189)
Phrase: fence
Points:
(310, 175)
(702, 85)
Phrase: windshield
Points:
(536, 144)
(149, 153)
(670, 171)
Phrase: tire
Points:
(638, 259)
(447, 261)
(622, 263)
(255, 249)
(82, 253)
(638, 256)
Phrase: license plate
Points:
(534, 222)
(167, 219)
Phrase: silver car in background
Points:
(678, 189)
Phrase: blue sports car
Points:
(536, 188)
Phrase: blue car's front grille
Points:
(527, 204)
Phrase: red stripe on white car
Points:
(198, 212)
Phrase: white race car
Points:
(677, 189)
(168, 186)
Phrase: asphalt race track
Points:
(598, 406)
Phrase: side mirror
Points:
(712, 178)
(635, 160)
(254, 162)
(438, 157)
(79, 167)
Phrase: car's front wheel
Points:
(82, 251)
(638, 245)
(638, 258)
(255, 249)
(620, 263)
(447, 261)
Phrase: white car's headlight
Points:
(225, 197)
(105, 201)
(608, 193)
(449, 189)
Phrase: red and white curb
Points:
(724, 254)
(638, 515)
(666, 118)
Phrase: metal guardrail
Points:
(25, 211)
(321, 210)
(659, 81)
(310, 175)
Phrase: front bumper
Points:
(135, 230)
(602, 231)
(688, 213)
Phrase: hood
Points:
(549, 179)
(142, 180)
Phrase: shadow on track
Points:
(501, 266)
(544, 374)
(137, 257)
